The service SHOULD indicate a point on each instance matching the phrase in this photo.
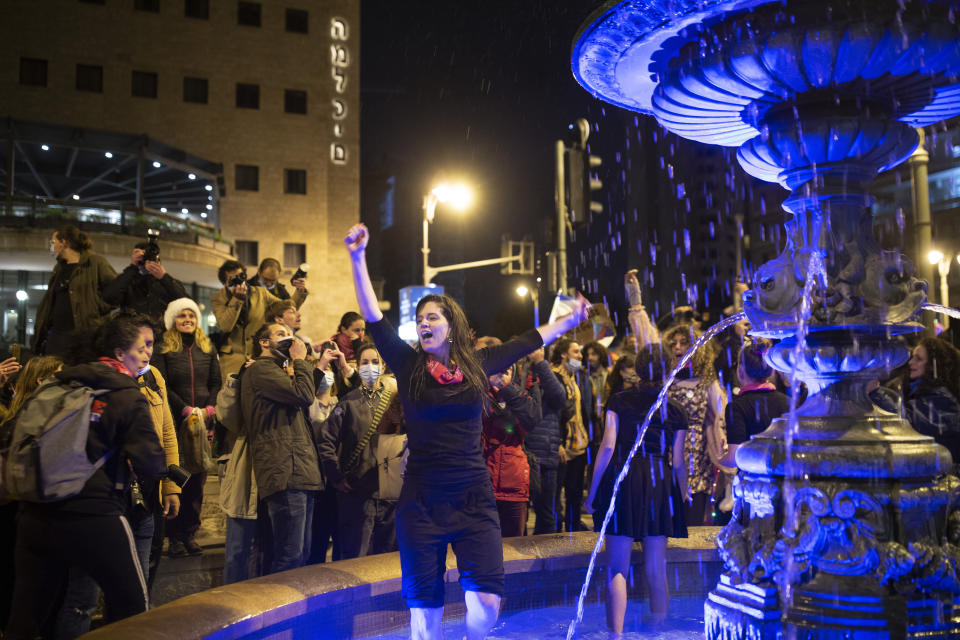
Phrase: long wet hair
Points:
(461, 348)
(943, 364)
(702, 360)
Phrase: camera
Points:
(301, 272)
(237, 280)
(151, 253)
(177, 474)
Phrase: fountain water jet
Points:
(817, 96)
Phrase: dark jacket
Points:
(274, 414)
(125, 427)
(278, 290)
(544, 440)
(143, 293)
(337, 438)
(93, 273)
(193, 378)
(511, 415)
(932, 410)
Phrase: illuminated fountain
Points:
(846, 524)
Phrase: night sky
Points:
(473, 89)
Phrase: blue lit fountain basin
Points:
(361, 598)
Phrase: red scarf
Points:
(442, 374)
(116, 364)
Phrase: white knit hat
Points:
(174, 309)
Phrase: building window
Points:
(294, 101)
(295, 181)
(248, 177)
(195, 90)
(33, 72)
(248, 252)
(248, 14)
(248, 96)
(144, 84)
(298, 21)
(294, 254)
(197, 9)
(147, 5)
(90, 78)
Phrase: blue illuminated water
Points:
(550, 623)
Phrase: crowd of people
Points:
(361, 443)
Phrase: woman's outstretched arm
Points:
(357, 238)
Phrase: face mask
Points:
(369, 373)
(53, 250)
(283, 346)
(630, 378)
(574, 364)
(143, 371)
(326, 381)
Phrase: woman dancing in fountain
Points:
(447, 497)
(649, 502)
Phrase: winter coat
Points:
(274, 414)
(932, 410)
(512, 414)
(193, 378)
(91, 276)
(238, 487)
(337, 438)
(124, 427)
(154, 389)
(545, 439)
(143, 293)
(241, 327)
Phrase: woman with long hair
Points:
(189, 364)
(648, 503)
(447, 495)
(927, 395)
(698, 391)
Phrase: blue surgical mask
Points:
(574, 364)
(326, 381)
(369, 373)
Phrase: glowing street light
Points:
(522, 291)
(458, 196)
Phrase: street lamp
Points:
(458, 196)
(937, 257)
(522, 291)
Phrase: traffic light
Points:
(580, 184)
(522, 252)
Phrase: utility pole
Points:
(560, 197)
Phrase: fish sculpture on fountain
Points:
(847, 521)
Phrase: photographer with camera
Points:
(240, 310)
(274, 402)
(145, 286)
(268, 277)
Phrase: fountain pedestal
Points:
(846, 522)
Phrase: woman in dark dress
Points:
(649, 504)
(447, 497)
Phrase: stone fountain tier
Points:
(846, 524)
